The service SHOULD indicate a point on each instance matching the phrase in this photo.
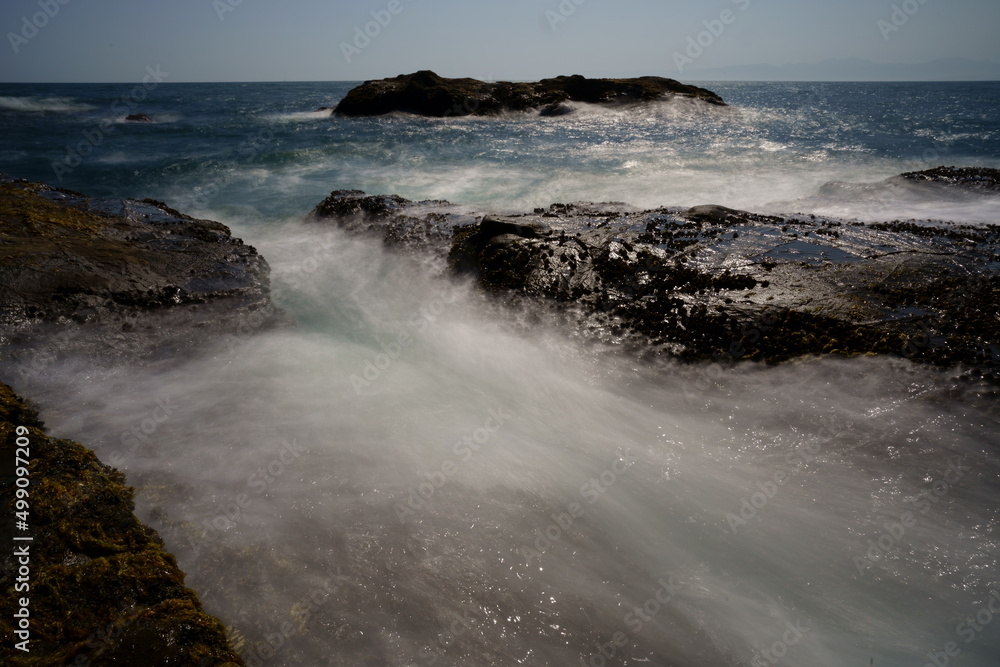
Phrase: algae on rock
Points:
(103, 590)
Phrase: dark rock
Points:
(103, 589)
(976, 178)
(396, 220)
(126, 279)
(427, 94)
(122, 266)
(553, 110)
(716, 283)
(138, 118)
(719, 215)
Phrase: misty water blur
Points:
(408, 475)
(409, 461)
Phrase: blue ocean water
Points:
(496, 493)
(229, 146)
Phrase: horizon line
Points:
(695, 80)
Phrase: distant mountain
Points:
(854, 69)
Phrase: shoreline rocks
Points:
(427, 94)
(103, 590)
(134, 281)
(969, 178)
(120, 267)
(716, 283)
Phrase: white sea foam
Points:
(287, 457)
(40, 104)
(299, 116)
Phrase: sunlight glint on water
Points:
(513, 429)
(738, 515)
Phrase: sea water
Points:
(406, 476)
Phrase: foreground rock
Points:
(714, 283)
(103, 591)
(144, 278)
(427, 94)
(130, 280)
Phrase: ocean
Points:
(498, 491)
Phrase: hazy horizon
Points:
(822, 72)
(114, 41)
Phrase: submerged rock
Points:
(103, 591)
(712, 282)
(427, 94)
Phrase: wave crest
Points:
(43, 105)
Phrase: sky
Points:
(312, 40)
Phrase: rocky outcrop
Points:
(973, 178)
(427, 94)
(127, 279)
(711, 282)
(101, 588)
(120, 267)
(424, 226)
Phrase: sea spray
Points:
(570, 414)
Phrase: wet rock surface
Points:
(425, 226)
(126, 280)
(716, 283)
(144, 277)
(103, 591)
(427, 94)
(973, 178)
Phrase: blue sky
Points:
(266, 40)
